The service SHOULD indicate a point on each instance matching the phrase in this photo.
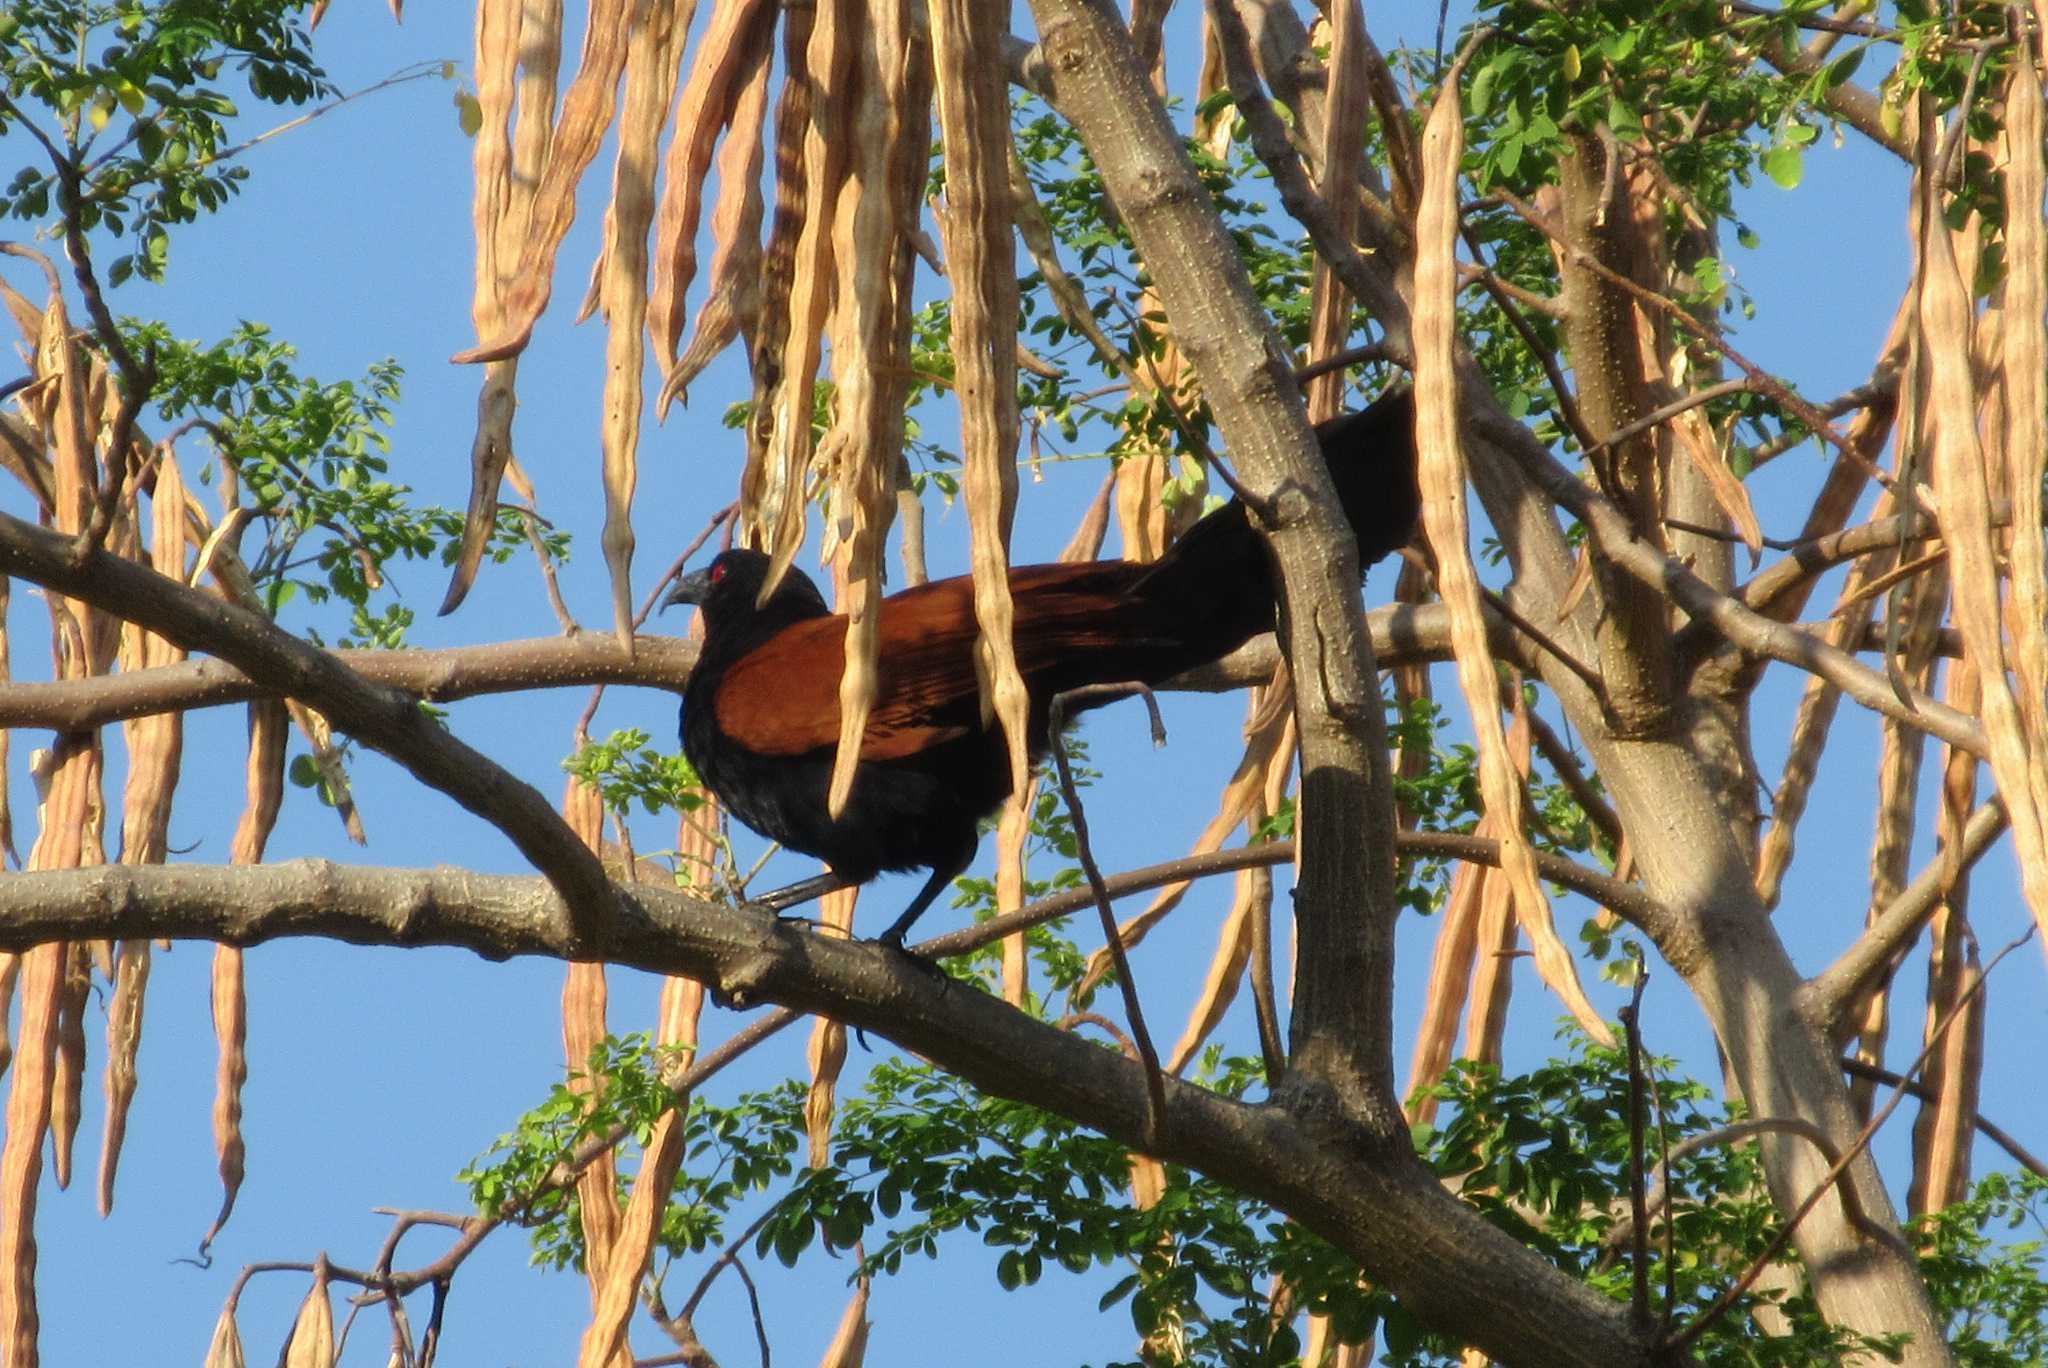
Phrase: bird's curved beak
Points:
(691, 588)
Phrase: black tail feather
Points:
(1219, 573)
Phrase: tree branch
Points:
(1374, 1201)
(1401, 634)
(1735, 620)
(1342, 1022)
(380, 717)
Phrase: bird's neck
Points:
(729, 637)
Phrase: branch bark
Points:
(380, 717)
(1374, 1201)
(1342, 1024)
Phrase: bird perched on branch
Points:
(761, 708)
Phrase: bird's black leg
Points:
(942, 877)
(803, 891)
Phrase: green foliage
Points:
(921, 1161)
(311, 459)
(1993, 1286)
(129, 100)
(730, 1152)
(626, 768)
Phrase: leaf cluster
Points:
(921, 1160)
(128, 98)
(312, 459)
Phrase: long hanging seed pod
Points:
(1013, 829)
(1445, 520)
(2026, 406)
(6, 809)
(778, 269)
(311, 1344)
(652, 58)
(155, 750)
(732, 304)
(528, 35)
(834, 39)
(584, 1001)
(981, 251)
(1450, 979)
(1469, 968)
(586, 115)
(604, 1342)
(67, 1098)
(498, 24)
(1898, 790)
(36, 1081)
(268, 729)
(1486, 1010)
(1329, 324)
(730, 63)
(875, 217)
(1960, 482)
(825, 1054)
(1946, 1125)
(849, 1346)
(1812, 722)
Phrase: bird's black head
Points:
(728, 591)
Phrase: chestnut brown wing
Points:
(783, 697)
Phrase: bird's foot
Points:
(893, 940)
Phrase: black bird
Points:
(760, 717)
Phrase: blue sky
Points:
(375, 1075)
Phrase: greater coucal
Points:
(761, 707)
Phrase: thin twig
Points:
(754, 1304)
(1659, 1201)
(728, 1256)
(1546, 357)
(1587, 674)
(1685, 404)
(1344, 360)
(1155, 1081)
(1632, 903)
(531, 521)
(1919, 1091)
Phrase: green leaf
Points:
(1785, 164)
(1843, 67)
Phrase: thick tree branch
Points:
(380, 717)
(1371, 1199)
(436, 676)
(1401, 634)
(1342, 1021)
(1740, 624)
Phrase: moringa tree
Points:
(1528, 223)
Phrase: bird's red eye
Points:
(717, 573)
